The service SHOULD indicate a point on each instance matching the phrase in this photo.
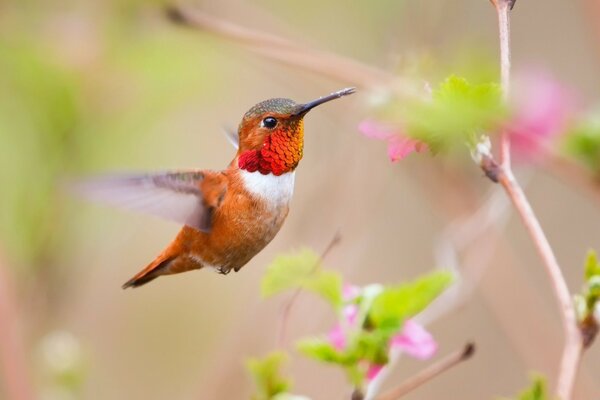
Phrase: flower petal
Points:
(415, 341)
(542, 108)
(350, 313)
(373, 371)
(350, 292)
(337, 337)
(376, 130)
(399, 147)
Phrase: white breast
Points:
(274, 189)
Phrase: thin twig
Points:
(429, 373)
(293, 53)
(17, 382)
(287, 308)
(573, 340)
(503, 10)
(504, 175)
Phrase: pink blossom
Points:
(337, 337)
(350, 292)
(541, 110)
(399, 145)
(373, 371)
(350, 313)
(415, 341)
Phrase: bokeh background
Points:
(92, 86)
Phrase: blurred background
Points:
(90, 86)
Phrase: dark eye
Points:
(269, 122)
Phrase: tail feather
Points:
(151, 272)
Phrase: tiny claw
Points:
(223, 270)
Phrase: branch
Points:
(502, 8)
(573, 340)
(503, 174)
(430, 372)
(12, 354)
(292, 53)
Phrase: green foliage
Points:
(585, 302)
(537, 390)
(323, 350)
(381, 313)
(396, 303)
(583, 144)
(302, 270)
(39, 114)
(267, 378)
(592, 267)
(456, 112)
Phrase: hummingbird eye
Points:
(269, 123)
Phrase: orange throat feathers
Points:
(280, 153)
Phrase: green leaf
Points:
(302, 270)
(268, 380)
(592, 267)
(324, 351)
(392, 306)
(456, 112)
(583, 143)
(537, 390)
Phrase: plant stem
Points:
(12, 354)
(429, 373)
(503, 9)
(573, 341)
(503, 172)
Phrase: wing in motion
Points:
(173, 195)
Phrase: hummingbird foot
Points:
(223, 270)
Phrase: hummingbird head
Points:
(271, 134)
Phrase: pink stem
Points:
(572, 348)
(573, 340)
(429, 373)
(12, 353)
(503, 8)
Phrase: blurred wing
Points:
(232, 137)
(172, 195)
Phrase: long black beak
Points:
(304, 108)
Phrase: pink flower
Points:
(350, 292)
(415, 341)
(373, 371)
(541, 109)
(350, 313)
(337, 337)
(399, 145)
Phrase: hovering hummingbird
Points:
(229, 215)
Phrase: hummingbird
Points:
(229, 216)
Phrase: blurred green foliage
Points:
(586, 301)
(381, 310)
(64, 110)
(583, 143)
(302, 270)
(398, 302)
(270, 384)
(537, 391)
(456, 112)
